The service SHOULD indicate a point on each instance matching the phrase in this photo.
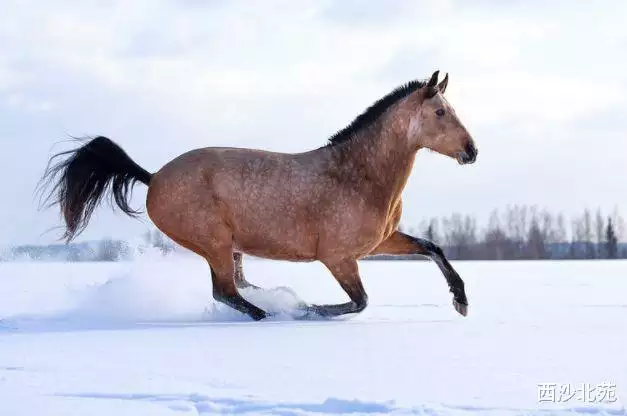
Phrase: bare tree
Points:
(536, 238)
(547, 224)
(431, 233)
(577, 238)
(516, 218)
(587, 234)
(452, 233)
(619, 224)
(560, 231)
(599, 227)
(496, 244)
(510, 223)
(611, 242)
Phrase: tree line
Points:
(523, 232)
(105, 249)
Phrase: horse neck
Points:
(379, 156)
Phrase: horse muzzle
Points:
(468, 155)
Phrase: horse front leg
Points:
(400, 243)
(347, 275)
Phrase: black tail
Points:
(81, 177)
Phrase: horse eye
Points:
(439, 112)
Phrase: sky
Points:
(541, 86)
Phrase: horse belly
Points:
(277, 245)
(277, 235)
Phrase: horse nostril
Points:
(471, 151)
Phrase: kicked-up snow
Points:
(146, 338)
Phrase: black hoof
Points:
(258, 315)
(461, 308)
(311, 313)
(460, 301)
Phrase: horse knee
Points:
(429, 247)
(437, 250)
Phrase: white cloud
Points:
(532, 80)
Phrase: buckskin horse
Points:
(335, 204)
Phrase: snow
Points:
(146, 338)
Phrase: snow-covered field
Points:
(145, 338)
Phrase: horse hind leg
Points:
(224, 287)
(225, 291)
(242, 283)
(240, 280)
(224, 276)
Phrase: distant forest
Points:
(522, 232)
(518, 232)
(100, 250)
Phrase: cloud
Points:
(541, 86)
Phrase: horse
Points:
(335, 204)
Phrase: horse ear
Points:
(432, 89)
(442, 85)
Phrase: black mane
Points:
(374, 112)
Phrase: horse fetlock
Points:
(459, 294)
(240, 304)
(361, 304)
(219, 295)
